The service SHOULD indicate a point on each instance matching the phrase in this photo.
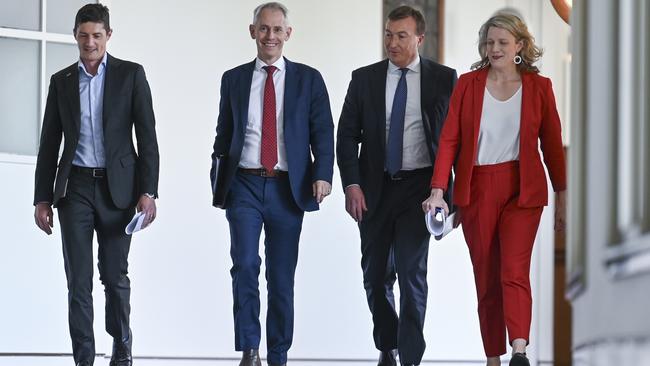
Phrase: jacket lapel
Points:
(378, 97)
(243, 92)
(526, 104)
(479, 93)
(72, 93)
(426, 91)
(291, 82)
(110, 75)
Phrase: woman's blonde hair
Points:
(529, 53)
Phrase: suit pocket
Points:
(127, 160)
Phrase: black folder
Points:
(218, 185)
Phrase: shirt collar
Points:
(279, 64)
(101, 68)
(413, 66)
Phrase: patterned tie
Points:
(269, 148)
(396, 131)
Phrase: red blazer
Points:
(539, 122)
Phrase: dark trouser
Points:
(395, 241)
(88, 207)
(255, 202)
(500, 237)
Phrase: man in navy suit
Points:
(272, 114)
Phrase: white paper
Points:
(438, 223)
(136, 223)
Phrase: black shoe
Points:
(121, 355)
(519, 359)
(84, 363)
(388, 358)
(250, 358)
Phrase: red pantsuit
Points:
(501, 204)
(500, 237)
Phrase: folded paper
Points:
(438, 223)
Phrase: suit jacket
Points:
(539, 123)
(308, 128)
(363, 121)
(127, 104)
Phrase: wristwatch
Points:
(149, 195)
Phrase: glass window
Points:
(23, 14)
(61, 14)
(19, 95)
(59, 56)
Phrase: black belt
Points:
(93, 172)
(406, 174)
(261, 172)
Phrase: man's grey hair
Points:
(273, 6)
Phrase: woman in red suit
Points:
(499, 115)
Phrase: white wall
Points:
(181, 298)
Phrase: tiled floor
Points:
(67, 361)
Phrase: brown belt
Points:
(261, 172)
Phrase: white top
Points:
(498, 138)
(414, 150)
(250, 156)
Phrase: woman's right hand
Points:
(435, 200)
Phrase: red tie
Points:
(269, 149)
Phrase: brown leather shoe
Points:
(250, 358)
(388, 358)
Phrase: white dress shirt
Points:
(250, 156)
(415, 154)
(498, 138)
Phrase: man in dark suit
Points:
(395, 109)
(272, 114)
(95, 103)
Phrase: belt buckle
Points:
(263, 173)
(396, 177)
(98, 173)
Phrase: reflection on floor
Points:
(101, 361)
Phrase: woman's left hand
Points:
(435, 200)
(560, 211)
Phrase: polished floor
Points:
(67, 361)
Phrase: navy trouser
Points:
(254, 203)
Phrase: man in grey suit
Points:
(100, 179)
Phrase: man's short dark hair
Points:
(95, 13)
(405, 11)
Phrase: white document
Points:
(438, 223)
(136, 223)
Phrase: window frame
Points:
(43, 37)
(628, 253)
